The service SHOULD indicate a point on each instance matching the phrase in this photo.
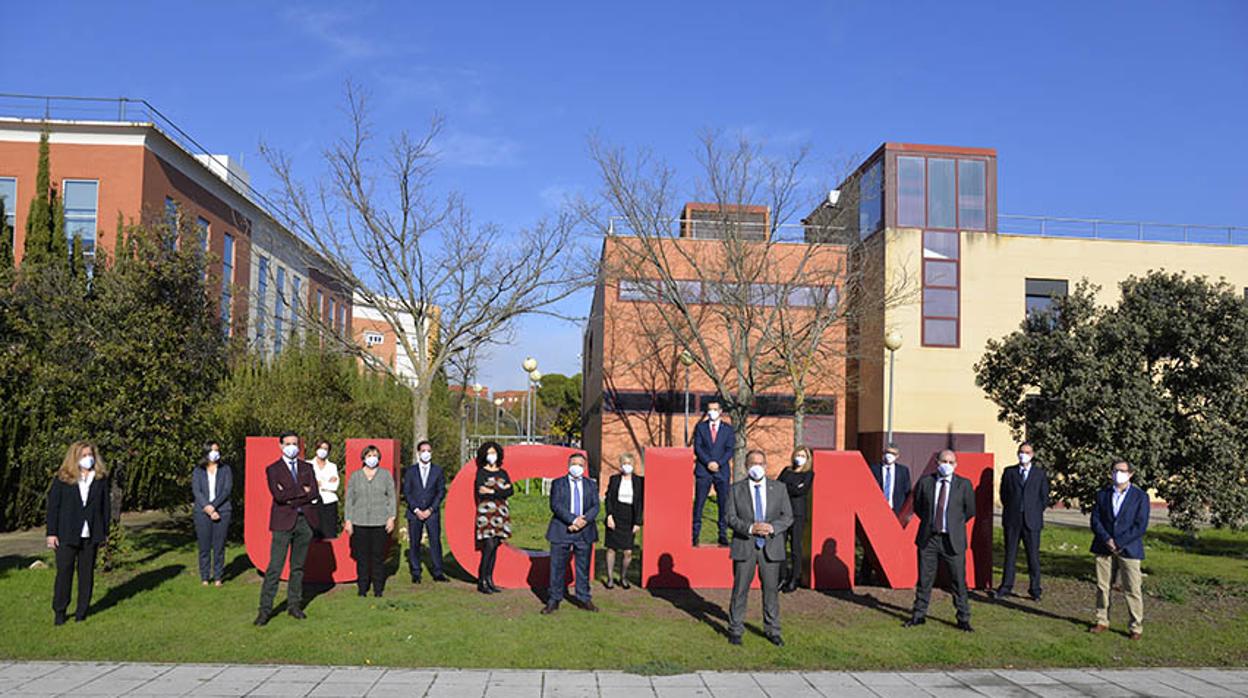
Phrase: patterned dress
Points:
(493, 516)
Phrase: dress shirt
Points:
(424, 474)
(1119, 496)
(84, 490)
(328, 490)
(888, 473)
(212, 485)
(625, 494)
(761, 486)
(575, 498)
(943, 524)
(1024, 470)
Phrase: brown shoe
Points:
(1098, 629)
(589, 606)
(1135, 636)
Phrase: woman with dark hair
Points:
(211, 485)
(78, 518)
(797, 477)
(492, 488)
(372, 506)
(326, 472)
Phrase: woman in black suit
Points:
(625, 503)
(78, 513)
(211, 484)
(797, 479)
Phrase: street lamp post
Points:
(892, 342)
(686, 359)
(476, 408)
(498, 412)
(535, 376)
(529, 365)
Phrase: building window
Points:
(342, 319)
(296, 288)
(277, 309)
(1040, 294)
(81, 204)
(373, 339)
(262, 293)
(871, 200)
(972, 195)
(201, 226)
(8, 193)
(941, 180)
(171, 214)
(911, 192)
(941, 294)
(332, 313)
(943, 193)
(320, 305)
(227, 280)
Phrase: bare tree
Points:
(757, 307)
(417, 257)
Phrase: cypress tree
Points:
(39, 221)
(77, 266)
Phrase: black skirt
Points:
(621, 537)
(327, 520)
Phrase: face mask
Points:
(945, 469)
(627, 468)
(290, 450)
(371, 462)
(426, 456)
(214, 456)
(757, 472)
(491, 458)
(1024, 458)
(713, 414)
(576, 471)
(800, 461)
(322, 453)
(1121, 477)
(86, 462)
(890, 458)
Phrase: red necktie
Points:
(714, 431)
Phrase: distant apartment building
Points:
(122, 160)
(513, 400)
(375, 333)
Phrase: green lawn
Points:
(154, 609)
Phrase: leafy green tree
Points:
(1157, 379)
(560, 400)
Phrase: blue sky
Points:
(1128, 110)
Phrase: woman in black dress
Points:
(492, 488)
(625, 503)
(798, 479)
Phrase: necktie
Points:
(888, 483)
(759, 517)
(1025, 471)
(714, 431)
(942, 500)
(294, 471)
(576, 497)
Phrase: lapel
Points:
(93, 492)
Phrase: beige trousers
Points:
(1128, 572)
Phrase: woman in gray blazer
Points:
(211, 484)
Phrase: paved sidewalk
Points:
(117, 679)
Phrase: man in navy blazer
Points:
(1024, 497)
(292, 518)
(714, 443)
(572, 531)
(424, 488)
(1119, 521)
(893, 478)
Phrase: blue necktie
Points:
(888, 481)
(576, 497)
(294, 471)
(759, 541)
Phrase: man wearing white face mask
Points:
(944, 503)
(1119, 521)
(1024, 497)
(572, 533)
(714, 445)
(424, 488)
(292, 518)
(893, 477)
(758, 512)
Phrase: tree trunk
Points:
(420, 413)
(740, 414)
(463, 430)
(799, 418)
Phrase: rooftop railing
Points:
(1141, 231)
(697, 229)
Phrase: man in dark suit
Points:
(292, 482)
(944, 503)
(758, 512)
(1119, 521)
(714, 443)
(893, 479)
(572, 532)
(424, 488)
(1024, 497)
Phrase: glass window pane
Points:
(870, 200)
(939, 245)
(910, 188)
(940, 210)
(8, 192)
(940, 302)
(940, 333)
(940, 273)
(80, 196)
(972, 212)
(1038, 304)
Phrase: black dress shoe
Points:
(734, 639)
(1035, 597)
(589, 606)
(492, 586)
(723, 540)
(297, 613)
(262, 619)
(481, 587)
(913, 622)
(624, 583)
(776, 640)
(965, 626)
(59, 619)
(79, 617)
(439, 578)
(415, 580)
(550, 608)
(609, 584)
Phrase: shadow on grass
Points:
(1028, 609)
(160, 538)
(16, 562)
(236, 567)
(674, 588)
(311, 591)
(900, 613)
(139, 583)
(1201, 545)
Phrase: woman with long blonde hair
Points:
(797, 477)
(626, 496)
(78, 518)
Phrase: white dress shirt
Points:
(212, 485)
(84, 490)
(327, 481)
(888, 476)
(948, 485)
(1119, 496)
(424, 474)
(625, 495)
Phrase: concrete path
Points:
(119, 679)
